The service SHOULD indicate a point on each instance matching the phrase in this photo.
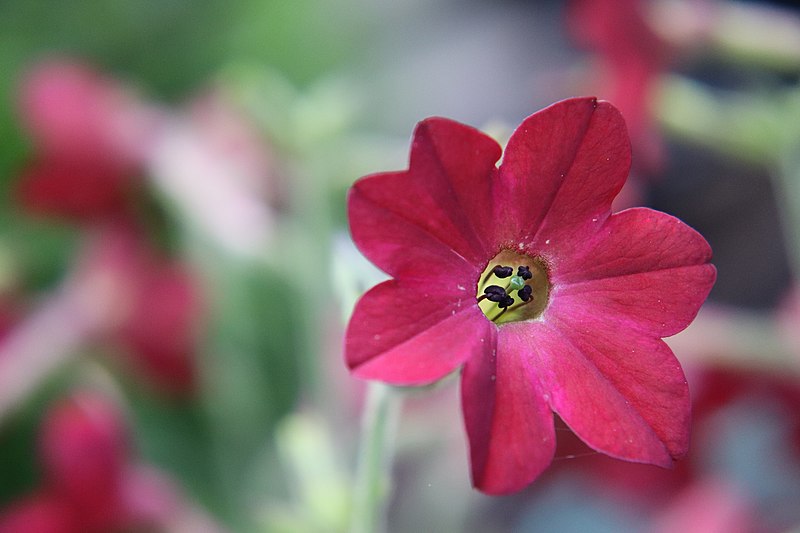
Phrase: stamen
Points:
(524, 272)
(515, 307)
(498, 315)
(525, 293)
(495, 293)
(502, 271)
(504, 305)
(506, 302)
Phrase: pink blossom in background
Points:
(74, 189)
(89, 135)
(706, 507)
(83, 448)
(212, 164)
(148, 305)
(631, 56)
(39, 513)
(89, 482)
(701, 494)
(72, 111)
(161, 330)
(94, 142)
(716, 387)
(522, 275)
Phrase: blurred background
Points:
(176, 270)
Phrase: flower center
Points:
(513, 287)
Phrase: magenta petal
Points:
(399, 246)
(562, 168)
(642, 368)
(509, 425)
(646, 270)
(437, 211)
(588, 401)
(402, 334)
(662, 303)
(632, 241)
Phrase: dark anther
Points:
(508, 301)
(502, 272)
(495, 293)
(525, 293)
(524, 272)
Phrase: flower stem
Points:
(373, 474)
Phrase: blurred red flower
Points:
(89, 136)
(705, 493)
(148, 305)
(89, 483)
(522, 274)
(39, 513)
(632, 57)
(75, 189)
(92, 139)
(84, 448)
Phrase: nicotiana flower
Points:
(521, 274)
(91, 481)
(150, 306)
(90, 135)
(632, 57)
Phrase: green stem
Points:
(373, 475)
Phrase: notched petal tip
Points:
(561, 169)
(453, 142)
(433, 211)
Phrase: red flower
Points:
(75, 189)
(149, 305)
(39, 513)
(91, 484)
(632, 58)
(84, 448)
(571, 320)
(90, 136)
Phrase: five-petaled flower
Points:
(521, 274)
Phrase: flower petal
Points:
(509, 425)
(561, 169)
(589, 401)
(75, 188)
(632, 241)
(435, 212)
(642, 368)
(646, 269)
(401, 334)
(661, 303)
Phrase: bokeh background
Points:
(176, 271)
